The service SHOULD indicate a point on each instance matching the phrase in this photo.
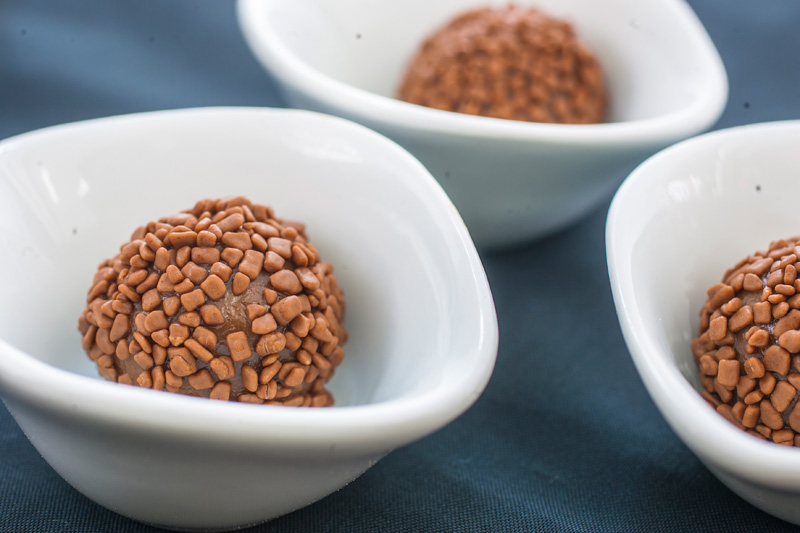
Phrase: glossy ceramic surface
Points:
(511, 181)
(677, 223)
(423, 331)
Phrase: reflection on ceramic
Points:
(423, 332)
(511, 181)
(677, 223)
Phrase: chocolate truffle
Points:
(513, 63)
(223, 301)
(748, 347)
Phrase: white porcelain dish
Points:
(423, 332)
(675, 225)
(511, 181)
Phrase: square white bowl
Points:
(511, 181)
(676, 224)
(423, 332)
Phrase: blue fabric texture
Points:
(565, 438)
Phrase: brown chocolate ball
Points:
(748, 347)
(223, 301)
(512, 63)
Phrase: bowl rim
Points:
(287, 68)
(687, 413)
(359, 428)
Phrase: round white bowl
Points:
(511, 181)
(675, 225)
(423, 332)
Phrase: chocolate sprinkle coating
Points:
(748, 346)
(512, 63)
(222, 301)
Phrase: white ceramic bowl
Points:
(677, 223)
(511, 181)
(423, 333)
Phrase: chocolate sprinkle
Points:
(223, 301)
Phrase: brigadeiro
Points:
(748, 347)
(223, 301)
(512, 63)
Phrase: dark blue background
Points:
(565, 438)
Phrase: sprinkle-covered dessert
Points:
(512, 63)
(223, 301)
(748, 347)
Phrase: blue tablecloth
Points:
(565, 438)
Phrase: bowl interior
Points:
(368, 44)
(693, 211)
(71, 195)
